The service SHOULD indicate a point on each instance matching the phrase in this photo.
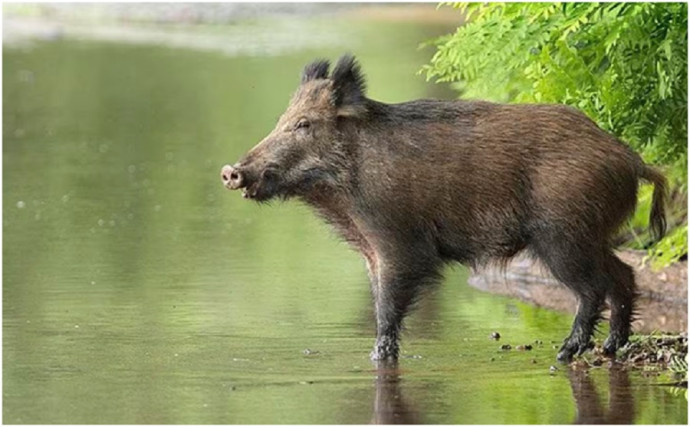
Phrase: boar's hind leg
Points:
(621, 294)
(397, 287)
(576, 266)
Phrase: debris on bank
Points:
(650, 353)
(665, 350)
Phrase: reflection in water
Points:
(621, 408)
(390, 406)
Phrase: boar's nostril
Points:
(236, 179)
(232, 178)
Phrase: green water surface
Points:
(136, 289)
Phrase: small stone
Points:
(496, 336)
(663, 277)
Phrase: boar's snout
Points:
(232, 178)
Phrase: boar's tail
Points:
(657, 215)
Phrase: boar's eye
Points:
(303, 124)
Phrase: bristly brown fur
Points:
(349, 87)
(316, 70)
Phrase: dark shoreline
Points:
(662, 305)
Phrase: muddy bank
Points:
(662, 305)
(662, 356)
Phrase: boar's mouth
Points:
(263, 188)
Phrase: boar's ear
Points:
(348, 87)
(316, 70)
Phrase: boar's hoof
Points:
(613, 343)
(380, 356)
(385, 350)
(571, 348)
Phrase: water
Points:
(136, 289)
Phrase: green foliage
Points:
(679, 364)
(622, 64)
(679, 373)
(671, 248)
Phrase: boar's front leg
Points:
(396, 286)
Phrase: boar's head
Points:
(305, 150)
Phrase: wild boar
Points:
(415, 185)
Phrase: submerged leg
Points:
(579, 268)
(621, 295)
(587, 317)
(398, 286)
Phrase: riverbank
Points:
(662, 305)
